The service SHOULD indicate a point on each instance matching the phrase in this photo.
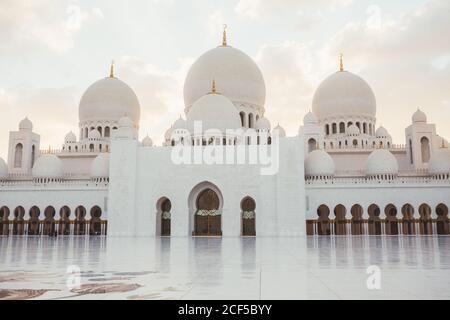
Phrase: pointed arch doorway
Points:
(248, 207)
(205, 206)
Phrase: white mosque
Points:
(339, 175)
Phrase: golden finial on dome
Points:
(111, 70)
(224, 36)
(213, 86)
(341, 62)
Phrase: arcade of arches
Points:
(48, 222)
(398, 220)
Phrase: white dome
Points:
(238, 76)
(94, 134)
(310, 118)
(263, 124)
(100, 166)
(279, 131)
(215, 112)
(381, 161)
(4, 172)
(382, 133)
(26, 124)
(48, 166)
(168, 134)
(439, 162)
(419, 116)
(344, 94)
(109, 99)
(353, 130)
(319, 163)
(147, 142)
(70, 137)
(180, 123)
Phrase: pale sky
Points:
(52, 50)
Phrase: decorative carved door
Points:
(208, 219)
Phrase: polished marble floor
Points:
(224, 268)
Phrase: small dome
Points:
(310, 118)
(353, 130)
(3, 169)
(381, 161)
(344, 94)
(319, 163)
(419, 116)
(279, 131)
(263, 124)
(94, 134)
(48, 166)
(439, 162)
(109, 99)
(125, 122)
(382, 132)
(70, 137)
(168, 133)
(26, 124)
(239, 77)
(214, 111)
(147, 142)
(100, 166)
(179, 124)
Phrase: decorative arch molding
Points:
(193, 197)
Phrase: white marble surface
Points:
(231, 268)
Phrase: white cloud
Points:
(24, 24)
(261, 8)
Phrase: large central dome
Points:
(237, 75)
(343, 94)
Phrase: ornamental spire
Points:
(213, 86)
(111, 70)
(341, 62)
(224, 36)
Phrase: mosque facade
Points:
(224, 169)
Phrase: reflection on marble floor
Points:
(225, 268)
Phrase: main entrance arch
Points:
(205, 204)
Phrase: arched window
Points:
(18, 156)
(425, 148)
(334, 128)
(242, 115)
(327, 129)
(107, 132)
(312, 144)
(341, 127)
(86, 132)
(364, 127)
(359, 126)
(251, 120)
(349, 124)
(91, 147)
(100, 129)
(33, 155)
(355, 143)
(410, 152)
